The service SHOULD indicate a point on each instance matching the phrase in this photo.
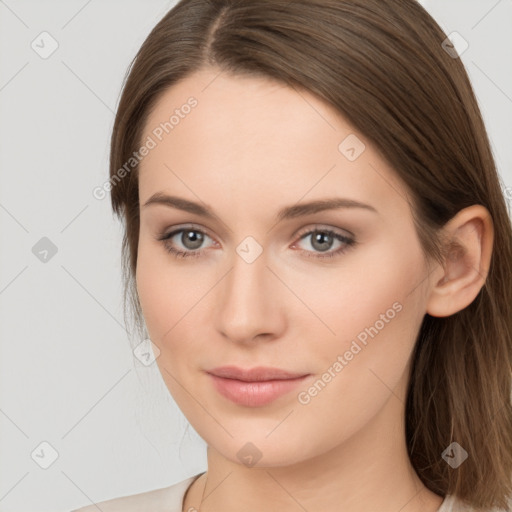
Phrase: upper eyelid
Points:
(179, 229)
(320, 227)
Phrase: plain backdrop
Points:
(72, 396)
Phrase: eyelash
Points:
(349, 242)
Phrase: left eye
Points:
(192, 239)
(322, 240)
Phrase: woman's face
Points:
(262, 288)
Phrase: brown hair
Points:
(382, 65)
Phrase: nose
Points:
(250, 302)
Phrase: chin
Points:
(253, 447)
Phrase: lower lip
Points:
(254, 394)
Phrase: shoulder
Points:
(452, 504)
(166, 499)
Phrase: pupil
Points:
(192, 239)
(322, 239)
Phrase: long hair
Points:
(386, 67)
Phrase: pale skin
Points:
(250, 147)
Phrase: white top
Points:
(170, 499)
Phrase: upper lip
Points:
(258, 373)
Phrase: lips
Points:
(257, 374)
(254, 387)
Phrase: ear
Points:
(469, 240)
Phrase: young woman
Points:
(317, 245)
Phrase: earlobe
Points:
(470, 236)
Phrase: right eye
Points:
(189, 238)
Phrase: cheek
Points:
(374, 309)
(171, 297)
(373, 299)
(158, 289)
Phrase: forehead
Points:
(246, 136)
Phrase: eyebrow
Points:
(288, 212)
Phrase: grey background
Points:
(67, 373)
